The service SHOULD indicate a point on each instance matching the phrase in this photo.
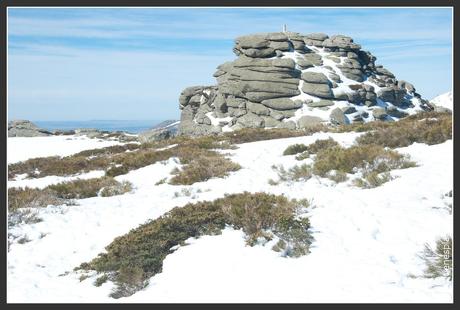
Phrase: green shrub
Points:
(133, 258)
(101, 280)
(438, 261)
(295, 149)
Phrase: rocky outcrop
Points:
(164, 130)
(288, 80)
(25, 128)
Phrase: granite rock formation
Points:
(291, 80)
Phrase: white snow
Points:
(342, 87)
(366, 240)
(445, 100)
(216, 120)
(23, 148)
(52, 179)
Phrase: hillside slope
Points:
(365, 249)
(445, 100)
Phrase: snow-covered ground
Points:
(445, 100)
(365, 248)
(23, 148)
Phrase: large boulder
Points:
(308, 121)
(162, 131)
(257, 108)
(337, 117)
(315, 77)
(315, 39)
(314, 59)
(259, 79)
(393, 95)
(320, 103)
(282, 104)
(379, 113)
(342, 42)
(251, 120)
(318, 90)
(25, 128)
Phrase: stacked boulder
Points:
(289, 80)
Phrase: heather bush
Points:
(133, 258)
(202, 166)
(429, 130)
(295, 149)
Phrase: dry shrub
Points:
(64, 192)
(109, 150)
(258, 134)
(430, 129)
(79, 189)
(201, 165)
(349, 160)
(31, 198)
(320, 145)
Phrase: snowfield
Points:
(366, 240)
(445, 100)
(23, 148)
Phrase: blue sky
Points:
(132, 63)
